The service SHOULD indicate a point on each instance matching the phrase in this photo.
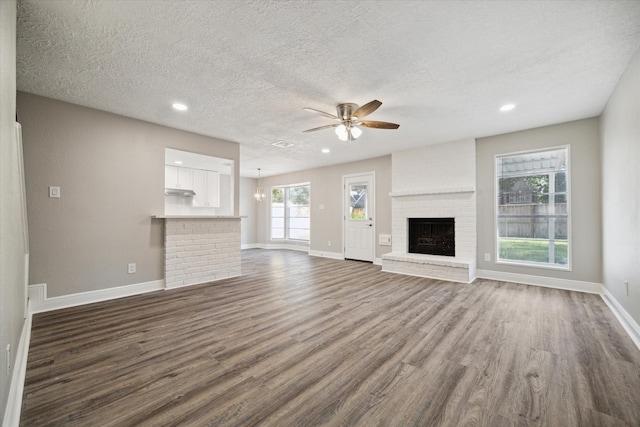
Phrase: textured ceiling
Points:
(247, 68)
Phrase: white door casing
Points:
(359, 216)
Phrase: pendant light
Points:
(259, 193)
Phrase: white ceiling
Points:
(197, 161)
(247, 68)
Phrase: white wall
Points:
(620, 147)
(436, 167)
(248, 208)
(12, 248)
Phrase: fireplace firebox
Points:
(432, 236)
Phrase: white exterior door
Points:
(359, 229)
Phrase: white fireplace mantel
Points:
(427, 192)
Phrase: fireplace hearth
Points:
(432, 236)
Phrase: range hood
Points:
(179, 192)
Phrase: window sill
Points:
(535, 265)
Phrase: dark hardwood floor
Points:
(306, 341)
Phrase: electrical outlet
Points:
(8, 359)
(329, 243)
(487, 256)
(131, 268)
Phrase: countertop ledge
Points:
(198, 216)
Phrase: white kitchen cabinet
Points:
(206, 185)
(170, 176)
(177, 177)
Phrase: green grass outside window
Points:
(532, 250)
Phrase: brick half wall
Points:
(199, 250)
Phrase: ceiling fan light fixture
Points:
(348, 132)
(350, 116)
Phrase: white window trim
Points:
(496, 250)
(286, 239)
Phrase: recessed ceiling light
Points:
(507, 107)
(178, 106)
(326, 150)
(178, 162)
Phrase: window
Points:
(532, 208)
(290, 212)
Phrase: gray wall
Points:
(620, 136)
(111, 172)
(326, 189)
(586, 223)
(12, 291)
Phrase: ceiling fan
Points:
(349, 117)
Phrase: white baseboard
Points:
(291, 247)
(625, 319)
(323, 254)
(201, 283)
(424, 276)
(288, 246)
(14, 401)
(249, 246)
(547, 282)
(39, 302)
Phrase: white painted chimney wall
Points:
(436, 181)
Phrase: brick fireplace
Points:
(435, 182)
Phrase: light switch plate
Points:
(54, 192)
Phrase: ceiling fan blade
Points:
(379, 125)
(322, 127)
(367, 109)
(313, 110)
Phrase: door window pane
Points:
(358, 202)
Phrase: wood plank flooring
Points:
(306, 341)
